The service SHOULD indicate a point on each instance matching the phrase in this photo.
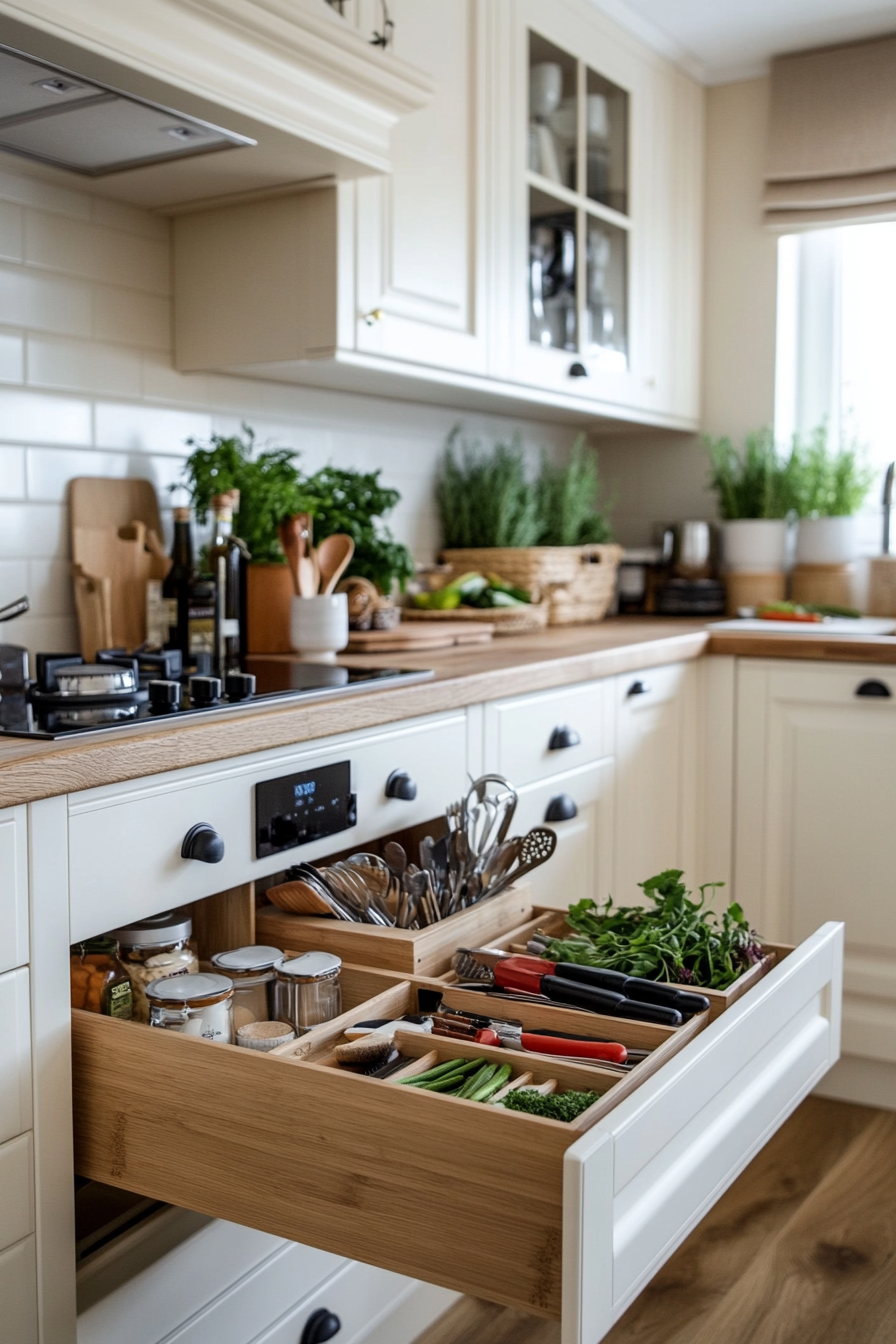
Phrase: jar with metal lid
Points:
(195, 1005)
(307, 991)
(252, 971)
(155, 949)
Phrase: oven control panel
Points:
(299, 808)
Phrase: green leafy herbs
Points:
(272, 488)
(673, 937)
(487, 498)
(827, 482)
(753, 482)
(558, 1106)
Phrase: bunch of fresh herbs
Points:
(827, 482)
(487, 498)
(354, 502)
(566, 1106)
(673, 937)
(754, 482)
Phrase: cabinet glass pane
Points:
(553, 113)
(606, 143)
(552, 273)
(605, 317)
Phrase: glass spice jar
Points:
(194, 1005)
(99, 982)
(153, 949)
(307, 991)
(252, 971)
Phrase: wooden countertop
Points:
(511, 665)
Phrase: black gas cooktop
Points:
(70, 697)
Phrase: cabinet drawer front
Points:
(358, 1294)
(13, 889)
(125, 848)
(581, 865)
(15, 1055)
(391, 1175)
(18, 1292)
(16, 1190)
(518, 733)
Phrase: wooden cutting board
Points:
(407, 638)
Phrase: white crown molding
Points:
(653, 37)
(290, 64)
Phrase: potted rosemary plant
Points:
(754, 494)
(828, 487)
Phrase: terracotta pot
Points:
(269, 594)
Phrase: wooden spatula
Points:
(292, 541)
(334, 556)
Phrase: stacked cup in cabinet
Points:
(18, 1261)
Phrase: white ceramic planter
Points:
(755, 545)
(318, 627)
(826, 541)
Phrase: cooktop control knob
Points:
(164, 696)
(320, 1326)
(204, 691)
(239, 685)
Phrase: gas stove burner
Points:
(89, 680)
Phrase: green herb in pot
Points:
(673, 938)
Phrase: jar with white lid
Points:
(156, 948)
(252, 971)
(307, 990)
(195, 1005)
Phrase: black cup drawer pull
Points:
(400, 785)
(202, 842)
(320, 1326)
(873, 690)
(561, 808)
(638, 688)
(562, 737)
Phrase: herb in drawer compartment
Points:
(673, 938)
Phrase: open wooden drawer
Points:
(509, 1207)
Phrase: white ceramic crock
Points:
(755, 545)
(826, 541)
(318, 627)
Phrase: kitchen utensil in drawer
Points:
(307, 991)
(195, 1005)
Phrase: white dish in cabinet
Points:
(561, 1223)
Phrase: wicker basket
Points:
(577, 582)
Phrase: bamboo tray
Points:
(547, 919)
(411, 951)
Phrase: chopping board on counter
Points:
(407, 638)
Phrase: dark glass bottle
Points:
(176, 588)
(226, 557)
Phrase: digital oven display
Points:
(299, 808)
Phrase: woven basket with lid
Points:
(577, 582)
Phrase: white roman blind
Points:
(832, 136)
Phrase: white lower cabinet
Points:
(578, 806)
(815, 795)
(18, 1293)
(15, 1054)
(656, 775)
(13, 888)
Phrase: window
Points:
(836, 346)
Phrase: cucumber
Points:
(477, 1081)
(494, 1084)
(439, 1070)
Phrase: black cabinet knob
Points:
(321, 1325)
(874, 690)
(563, 737)
(578, 370)
(239, 686)
(561, 808)
(164, 696)
(202, 842)
(400, 785)
(638, 688)
(204, 691)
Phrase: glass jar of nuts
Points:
(155, 949)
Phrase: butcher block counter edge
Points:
(516, 665)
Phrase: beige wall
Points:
(661, 476)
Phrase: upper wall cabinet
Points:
(536, 245)
(600, 203)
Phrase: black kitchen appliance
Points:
(69, 697)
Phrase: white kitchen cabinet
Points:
(599, 210)
(13, 888)
(578, 806)
(18, 1292)
(815, 793)
(656, 776)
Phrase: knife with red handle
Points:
(515, 1038)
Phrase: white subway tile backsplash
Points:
(116, 215)
(49, 586)
(33, 417)
(50, 634)
(49, 470)
(12, 357)
(82, 366)
(46, 302)
(10, 231)
(107, 255)
(23, 187)
(163, 383)
(12, 473)
(13, 584)
(147, 429)
(134, 318)
(33, 531)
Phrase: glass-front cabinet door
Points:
(602, 187)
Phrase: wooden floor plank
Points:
(688, 1300)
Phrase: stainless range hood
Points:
(56, 117)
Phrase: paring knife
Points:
(500, 1034)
